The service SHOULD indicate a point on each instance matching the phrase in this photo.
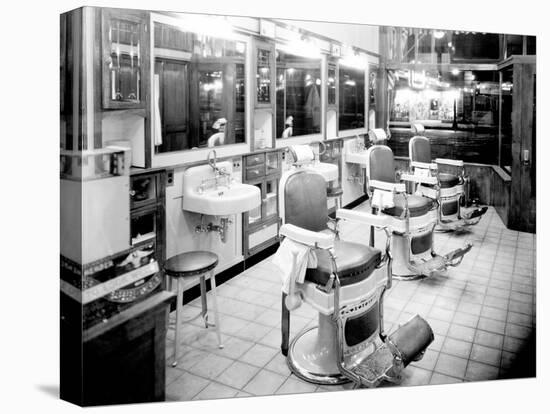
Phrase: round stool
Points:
(186, 266)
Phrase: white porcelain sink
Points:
(328, 171)
(217, 200)
(357, 158)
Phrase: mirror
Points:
(351, 98)
(199, 90)
(298, 95)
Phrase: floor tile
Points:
(279, 365)
(252, 331)
(456, 347)
(486, 355)
(477, 371)
(451, 365)
(211, 366)
(412, 376)
(462, 333)
(491, 325)
(265, 383)
(438, 379)
(517, 331)
(237, 375)
(185, 387)
(489, 339)
(215, 391)
(259, 355)
(292, 385)
(428, 361)
(465, 319)
(233, 347)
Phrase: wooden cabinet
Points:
(119, 361)
(261, 225)
(264, 69)
(517, 139)
(147, 211)
(125, 59)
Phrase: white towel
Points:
(157, 138)
(293, 272)
(382, 199)
(303, 153)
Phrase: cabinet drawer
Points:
(255, 159)
(255, 172)
(262, 235)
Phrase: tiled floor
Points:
(482, 313)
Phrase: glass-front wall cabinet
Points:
(298, 91)
(351, 82)
(125, 57)
(264, 58)
(199, 89)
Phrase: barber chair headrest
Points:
(417, 129)
(301, 153)
(380, 164)
(305, 201)
(377, 134)
(420, 149)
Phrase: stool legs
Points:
(204, 303)
(179, 315)
(215, 305)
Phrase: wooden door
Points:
(523, 189)
(174, 104)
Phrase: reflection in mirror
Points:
(199, 93)
(351, 98)
(373, 72)
(331, 85)
(298, 95)
(124, 65)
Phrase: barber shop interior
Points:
(258, 206)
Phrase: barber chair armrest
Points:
(307, 237)
(419, 179)
(424, 165)
(383, 185)
(445, 161)
(363, 217)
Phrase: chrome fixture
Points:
(221, 228)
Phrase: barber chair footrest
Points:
(377, 367)
(473, 213)
(427, 268)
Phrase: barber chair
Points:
(347, 288)
(410, 218)
(451, 192)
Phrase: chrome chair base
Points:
(312, 362)
(313, 354)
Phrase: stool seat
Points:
(199, 264)
(190, 263)
(334, 191)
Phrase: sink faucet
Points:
(212, 162)
(219, 172)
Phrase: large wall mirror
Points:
(351, 114)
(298, 95)
(198, 91)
